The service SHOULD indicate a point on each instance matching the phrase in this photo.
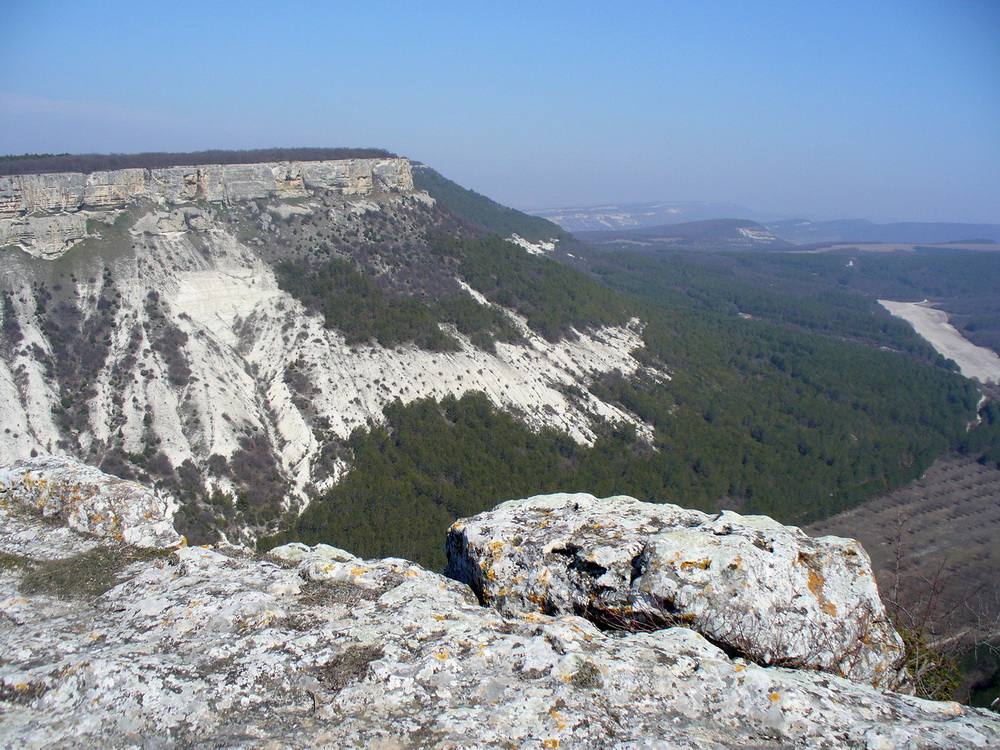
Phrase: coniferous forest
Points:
(773, 388)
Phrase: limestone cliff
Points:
(143, 329)
(106, 645)
(46, 214)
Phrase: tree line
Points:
(87, 163)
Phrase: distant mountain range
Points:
(638, 215)
(803, 232)
(712, 234)
(654, 216)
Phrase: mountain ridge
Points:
(246, 346)
(163, 340)
(709, 234)
(797, 231)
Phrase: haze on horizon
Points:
(887, 111)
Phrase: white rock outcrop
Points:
(45, 214)
(88, 500)
(314, 648)
(757, 588)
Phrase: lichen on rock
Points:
(760, 590)
(89, 501)
(311, 647)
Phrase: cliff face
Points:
(46, 214)
(161, 344)
(108, 645)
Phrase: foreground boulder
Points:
(759, 589)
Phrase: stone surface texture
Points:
(46, 214)
(89, 501)
(748, 583)
(314, 648)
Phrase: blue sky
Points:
(888, 110)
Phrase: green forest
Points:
(833, 293)
(553, 298)
(774, 382)
(482, 213)
(799, 416)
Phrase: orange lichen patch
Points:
(439, 618)
(689, 565)
(411, 573)
(774, 697)
(550, 744)
(816, 581)
(739, 668)
(442, 656)
(358, 571)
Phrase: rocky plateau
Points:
(109, 644)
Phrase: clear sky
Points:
(884, 109)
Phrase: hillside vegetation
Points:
(787, 419)
(482, 212)
(830, 293)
